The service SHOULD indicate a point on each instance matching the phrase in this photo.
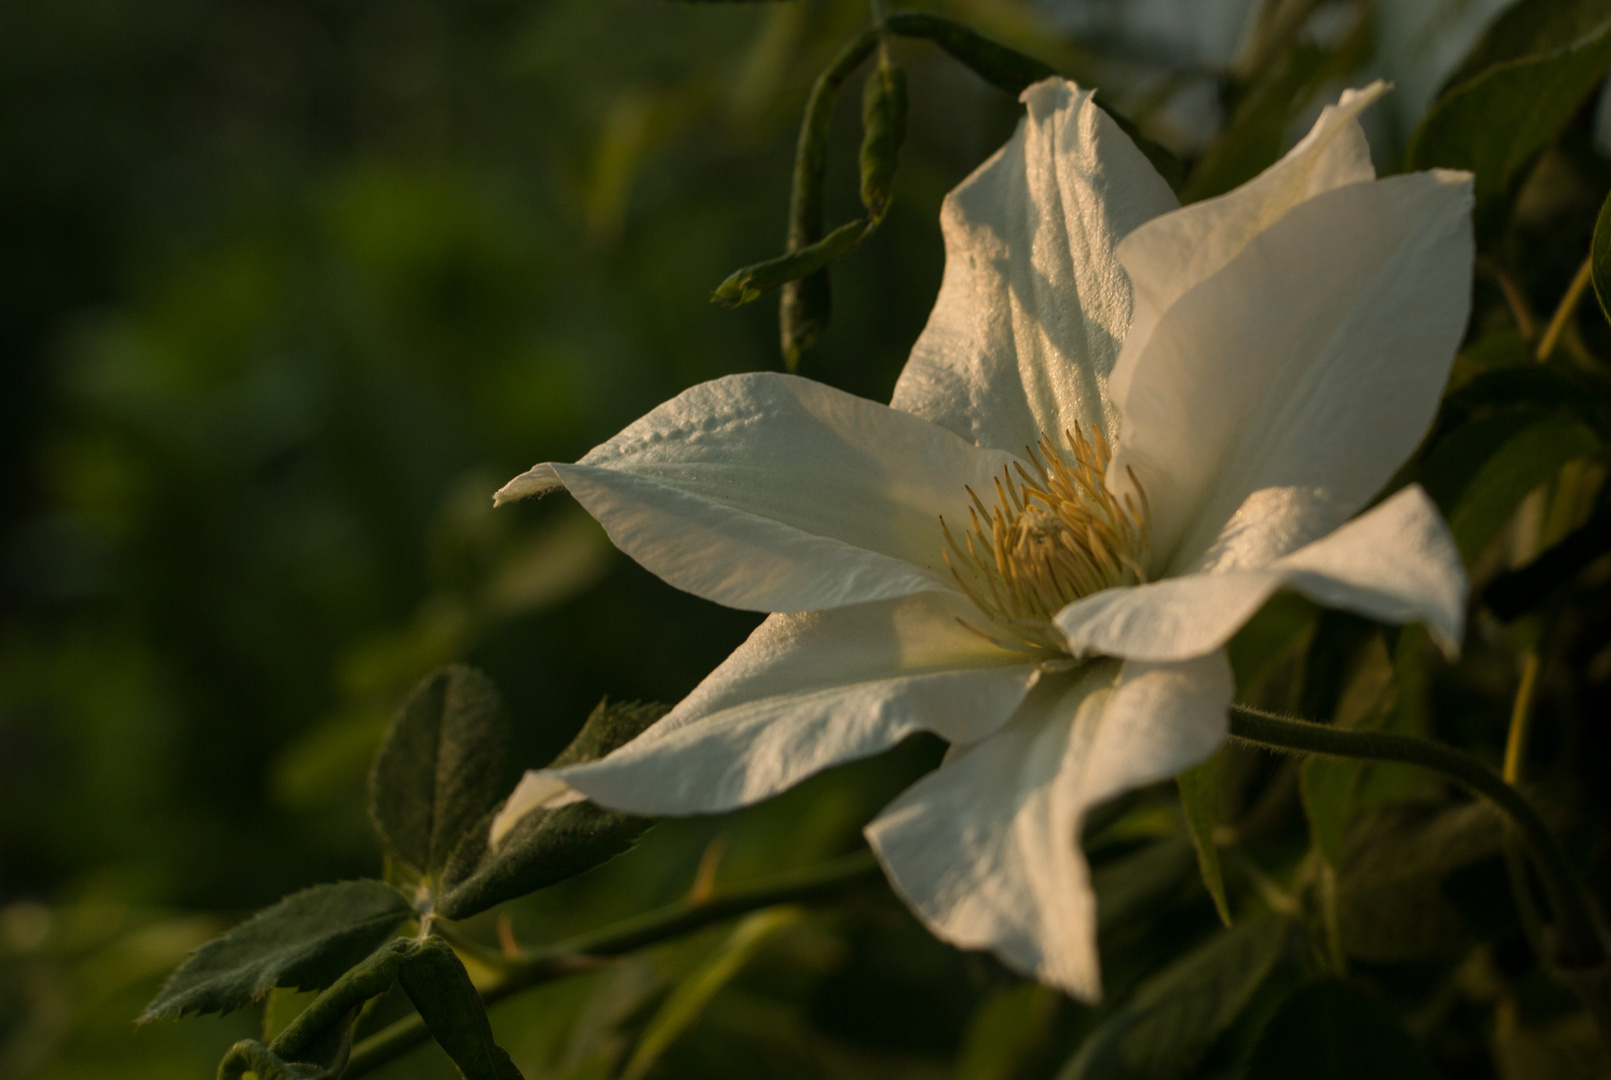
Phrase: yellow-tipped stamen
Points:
(1056, 534)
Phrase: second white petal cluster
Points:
(1254, 369)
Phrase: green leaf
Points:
(1253, 139)
(318, 1042)
(1130, 889)
(1525, 460)
(549, 846)
(1600, 253)
(1330, 1031)
(1199, 799)
(883, 122)
(1531, 28)
(689, 998)
(1391, 906)
(447, 1001)
(439, 770)
(1494, 124)
(1328, 786)
(1176, 1016)
(306, 941)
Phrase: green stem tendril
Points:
(1563, 313)
(1521, 714)
(1576, 939)
(532, 967)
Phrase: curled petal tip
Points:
(538, 480)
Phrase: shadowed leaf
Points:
(306, 941)
(1175, 1017)
(1330, 1031)
(548, 846)
(438, 772)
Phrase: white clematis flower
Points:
(1124, 427)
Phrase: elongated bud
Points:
(883, 121)
(753, 282)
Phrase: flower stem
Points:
(1577, 942)
(1563, 313)
(1521, 715)
(533, 967)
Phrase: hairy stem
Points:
(533, 967)
(1577, 942)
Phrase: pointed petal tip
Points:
(537, 480)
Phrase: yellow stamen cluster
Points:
(1054, 535)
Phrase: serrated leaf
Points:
(1330, 1031)
(1494, 124)
(306, 941)
(447, 1001)
(1199, 801)
(1600, 256)
(1175, 1017)
(548, 846)
(439, 769)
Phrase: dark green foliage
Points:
(548, 846)
(607, 727)
(1481, 471)
(438, 771)
(1532, 28)
(1497, 122)
(1174, 1018)
(1392, 899)
(447, 1001)
(1328, 1030)
(318, 1042)
(306, 941)
(1600, 253)
(1199, 801)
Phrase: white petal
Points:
(1311, 364)
(774, 493)
(986, 848)
(1171, 254)
(809, 691)
(1033, 304)
(1396, 563)
(537, 790)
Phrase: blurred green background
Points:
(287, 289)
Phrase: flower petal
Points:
(775, 493)
(986, 848)
(1034, 304)
(809, 691)
(1311, 364)
(1396, 563)
(1170, 254)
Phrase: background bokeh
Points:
(287, 289)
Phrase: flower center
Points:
(1055, 534)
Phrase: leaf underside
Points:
(306, 941)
